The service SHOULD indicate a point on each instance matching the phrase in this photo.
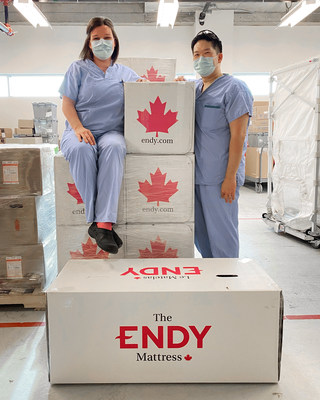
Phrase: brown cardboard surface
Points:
(253, 163)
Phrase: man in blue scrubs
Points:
(223, 109)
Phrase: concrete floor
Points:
(291, 263)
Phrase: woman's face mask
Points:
(102, 48)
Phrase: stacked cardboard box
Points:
(73, 240)
(258, 142)
(27, 217)
(152, 69)
(159, 174)
(45, 122)
(5, 133)
(25, 128)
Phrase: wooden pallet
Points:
(29, 299)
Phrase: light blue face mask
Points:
(204, 65)
(102, 48)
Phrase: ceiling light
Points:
(299, 12)
(31, 12)
(167, 12)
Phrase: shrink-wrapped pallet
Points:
(159, 117)
(159, 189)
(152, 69)
(26, 170)
(70, 209)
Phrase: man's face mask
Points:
(204, 65)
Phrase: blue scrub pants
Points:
(216, 223)
(97, 172)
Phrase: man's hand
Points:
(228, 189)
(85, 134)
(180, 79)
(141, 80)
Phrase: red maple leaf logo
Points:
(158, 250)
(89, 251)
(152, 75)
(157, 121)
(188, 357)
(158, 190)
(74, 192)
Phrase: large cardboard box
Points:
(28, 266)
(24, 131)
(252, 166)
(25, 123)
(26, 170)
(152, 69)
(159, 188)
(24, 140)
(70, 209)
(159, 117)
(26, 220)
(164, 320)
(159, 241)
(5, 133)
(74, 242)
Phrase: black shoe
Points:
(104, 238)
(117, 239)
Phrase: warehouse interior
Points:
(255, 48)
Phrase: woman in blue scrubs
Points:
(223, 108)
(93, 142)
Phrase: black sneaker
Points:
(117, 239)
(104, 238)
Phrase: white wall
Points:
(251, 49)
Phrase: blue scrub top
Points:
(225, 100)
(98, 96)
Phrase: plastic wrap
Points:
(28, 266)
(70, 209)
(159, 189)
(152, 69)
(26, 220)
(139, 241)
(159, 117)
(44, 110)
(26, 169)
(295, 141)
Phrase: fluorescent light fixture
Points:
(167, 12)
(299, 12)
(31, 12)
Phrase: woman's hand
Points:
(141, 80)
(85, 134)
(228, 189)
(180, 79)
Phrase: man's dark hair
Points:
(209, 36)
(92, 24)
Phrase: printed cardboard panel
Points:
(159, 188)
(74, 242)
(159, 117)
(164, 320)
(159, 241)
(152, 69)
(70, 208)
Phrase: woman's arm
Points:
(69, 111)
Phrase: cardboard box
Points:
(159, 117)
(25, 123)
(26, 220)
(258, 128)
(70, 209)
(74, 242)
(164, 320)
(159, 189)
(159, 241)
(26, 140)
(152, 69)
(5, 133)
(26, 170)
(24, 131)
(252, 167)
(28, 266)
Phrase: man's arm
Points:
(238, 130)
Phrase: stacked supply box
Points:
(45, 122)
(159, 174)
(27, 217)
(5, 133)
(73, 240)
(25, 128)
(152, 69)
